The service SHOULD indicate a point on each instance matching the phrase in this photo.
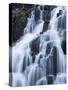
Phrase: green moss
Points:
(20, 14)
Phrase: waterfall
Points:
(48, 65)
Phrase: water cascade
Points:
(45, 65)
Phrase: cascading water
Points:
(48, 65)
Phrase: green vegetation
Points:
(20, 14)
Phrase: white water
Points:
(25, 72)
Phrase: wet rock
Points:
(47, 12)
(49, 69)
(41, 7)
(52, 63)
(46, 15)
(25, 62)
(54, 57)
(60, 13)
(46, 7)
(37, 14)
(45, 26)
(63, 45)
(34, 45)
(48, 48)
(19, 24)
(20, 13)
(50, 79)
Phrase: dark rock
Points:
(19, 14)
(46, 15)
(45, 26)
(37, 14)
(41, 8)
(49, 8)
(54, 57)
(48, 48)
(19, 24)
(39, 59)
(63, 45)
(50, 79)
(46, 7)
(34, 45)
(52, 63)
(60, 13)
(47, 12)
(49, 66)
(25, 63)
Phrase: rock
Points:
(19, 24)
(37, 14)
(46, 7)
(52, 63)
(47, 12)
(60, 13)
(25, 63)
(41, 7)
(48, 48)
(54, 57)
(45, 26)
(20, 13)
(34, 45)
(46, 15)
(63, 45)
(50, 79)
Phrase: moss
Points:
(20, 14)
